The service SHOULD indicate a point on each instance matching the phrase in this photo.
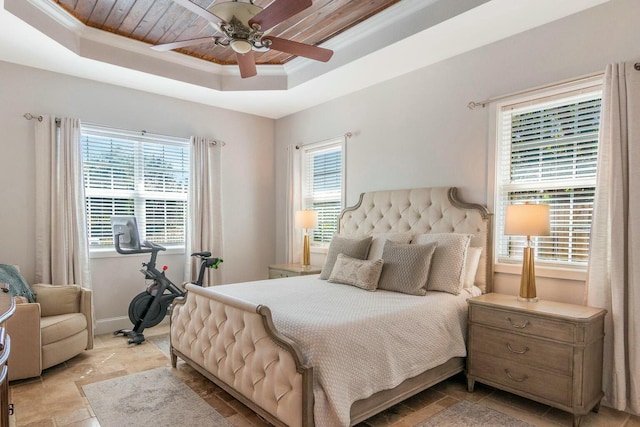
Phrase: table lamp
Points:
(527, 220)
(306, 220)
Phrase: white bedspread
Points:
(360, 342)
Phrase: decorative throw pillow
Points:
(447, 270)
(377, 243)
(55, 300)
(361, 273)
(471, 266)
(355, 248)
(406, 267)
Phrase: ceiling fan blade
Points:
(183, 43)
(247, 64)
(204, 13)
(278, 11)
(300, 49)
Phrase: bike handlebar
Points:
(131, 251)
(153, 246)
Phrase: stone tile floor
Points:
(55, 399)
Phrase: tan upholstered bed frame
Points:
(235, 344)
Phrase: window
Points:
(547, 154)
(322, 186)
(127, 173)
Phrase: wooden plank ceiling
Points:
(163, 21)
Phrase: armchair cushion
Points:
(56, 300)
(56, 328)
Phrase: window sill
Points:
(319, 249)
(543, 271)
(111, 252)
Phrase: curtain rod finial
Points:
(30, 116)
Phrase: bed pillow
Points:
(377, 243)
(471, 266)
(447, 269)
(406, 267)
(361, 273)
(355, 248)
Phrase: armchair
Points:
(50, 331)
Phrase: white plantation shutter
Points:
(548, 152)
(126, 173)
(322, 186)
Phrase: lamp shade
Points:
(306, 219)
(527, 220)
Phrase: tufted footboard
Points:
(234, 343)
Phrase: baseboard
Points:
(110, 324)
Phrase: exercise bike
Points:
(149, 307)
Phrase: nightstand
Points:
(289, 270)
(546, 351)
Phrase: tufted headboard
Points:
(424, 210)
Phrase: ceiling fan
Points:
(245, 27)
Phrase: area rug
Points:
(469, 414)
(160, 341)
(150, 398)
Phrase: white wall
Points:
(247, 176)
(416, 130)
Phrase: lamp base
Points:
(306, 251)
(528, 279)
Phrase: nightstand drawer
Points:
(519, 322)
(277, 271)
(276, 274)
(514, 375)
(521, 349)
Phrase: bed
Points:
(254, 341)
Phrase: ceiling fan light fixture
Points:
(240, 46)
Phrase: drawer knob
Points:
(524, 377)
(519, 326)
(513, 350)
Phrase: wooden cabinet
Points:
(289, 270)
(546, 351)
(7, 308)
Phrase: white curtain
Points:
(613, 280)
(293, 236)
(62, 254)
(204, 228)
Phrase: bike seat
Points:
(201, 254)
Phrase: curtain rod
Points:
(347, 135)
(473, 104)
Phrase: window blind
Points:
(127, 173)
(548, 155)
(322, 184)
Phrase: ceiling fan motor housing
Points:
(235, 26)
